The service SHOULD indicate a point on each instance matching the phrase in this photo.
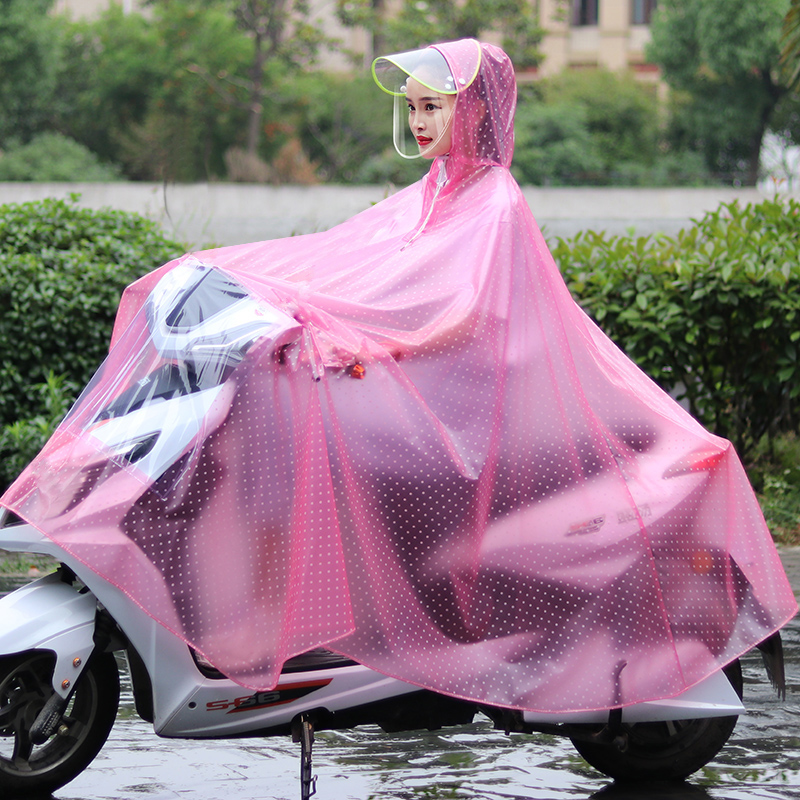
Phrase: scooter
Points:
(59, 680)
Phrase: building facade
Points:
(597, 33)
(578, 34)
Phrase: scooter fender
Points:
(49, 614)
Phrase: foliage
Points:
(27, 564)
(775, 474)
(621, 113)
(282, 32)
(344, 122)
(20, 441)
(722, 58)
(53, 157)
(168, 94)
(62, 270)
(597, 128)
(388, 168)
(554, 146)
(416, 23)
(206, 90)
(29, 60)
(671, 168)
(790, 43)
(137, 90)
(711, 314)
(110, 72)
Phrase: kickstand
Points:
(303, 732)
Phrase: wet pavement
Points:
(761, 760)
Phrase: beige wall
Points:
(88, 8)
(614, 43)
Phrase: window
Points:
(642, 11)
(584, 12)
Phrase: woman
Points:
(449, 473)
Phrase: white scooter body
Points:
(50, 615)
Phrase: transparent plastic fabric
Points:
(431, 105)
(403, 440)
(427, 65)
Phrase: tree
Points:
(189, 122)
(111, 73)
(621, 113)
(721, 58)
(169, 93)
(593, 127)
(790, 40)
(29, 55)
(554, 146)
(281, 30)
(419, 22)
(135, 96)
(343, 122)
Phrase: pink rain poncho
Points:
(431, 461)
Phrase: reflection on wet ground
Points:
(761, 761)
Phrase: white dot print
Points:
(402, 439)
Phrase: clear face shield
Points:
(424, 93)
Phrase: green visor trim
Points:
(474, 75)
(428, 66)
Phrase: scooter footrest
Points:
(320, 658)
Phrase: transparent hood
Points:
(424, 91)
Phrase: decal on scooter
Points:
(277, 697)
(631, 514)
(587, 526)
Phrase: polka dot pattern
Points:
(447, 472)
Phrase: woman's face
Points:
(430, 116)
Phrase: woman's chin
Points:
(430, 152)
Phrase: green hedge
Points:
(62, 270)
(711, 313)
(22, 440)
(53, 157)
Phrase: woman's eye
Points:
(430, 107)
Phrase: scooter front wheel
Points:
(670, 750)
(28, 769)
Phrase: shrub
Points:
(53, 157)
(621, 113)
(672, 168)
(22, 440)
(555, 147)
(711, 313)
(775, 475)
(595, 127)
(62, 270)
(389, 168)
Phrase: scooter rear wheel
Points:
(27, 769)
(663, 750)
